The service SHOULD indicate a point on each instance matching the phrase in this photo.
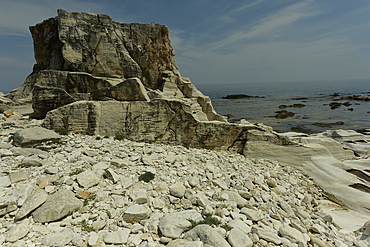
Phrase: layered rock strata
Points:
(82, 56)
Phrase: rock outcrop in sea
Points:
(142, 158)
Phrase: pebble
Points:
(87, 192)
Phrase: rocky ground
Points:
(88, 191)
(102, 191)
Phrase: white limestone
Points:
(263, 202)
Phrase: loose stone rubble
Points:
(85, 191)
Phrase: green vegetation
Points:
(85, 227)
(44, 148)
(209, 220)
(76, 172)
(62, 131)
(146, 177)
(88, 200)
(97, 138)
(71, 212)
(119, 137)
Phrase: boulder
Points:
(117, 237)
(87, 179)
(172, 226)
(129, 90)
(135, 213)
(160, 121)
(17, 232)
(56, 207)
(238, 238)
(31, 136)
(60, 238)
(207, 235)
(35, 197)
(8, 204)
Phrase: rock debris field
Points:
(78, 190)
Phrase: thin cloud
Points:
(230, 16)
(271, 25)
(17, 16)
(14, 62)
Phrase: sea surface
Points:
(316, 110)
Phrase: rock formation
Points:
(99, 77)
(82, 56)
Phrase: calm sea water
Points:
(316, 109)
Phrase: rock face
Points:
(99, 77)
(162, 121)
(82, 56)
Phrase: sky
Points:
(218, 41)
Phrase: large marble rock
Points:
(31, 136)
(83, 56)
(57, 206)
(159, 121)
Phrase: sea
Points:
(315, 113)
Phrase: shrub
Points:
(85, 227)
(146, 177)
(88, 200)
(76, 172)
(62, 131)
(209, 220)
(119, 137)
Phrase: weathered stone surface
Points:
(34, 135)
(8, 204)
(129, 90)
(293, 234)
(252, 214)
(238, 238)
(290, 210)
(207, 235)
(18, 176)
(35, 197)
(12, 114)
(17, 232)
(60, 238)
(177, 190)
(117, 237)
(139, 197)
(162, 121)
(5, 181)
(234, 196)
(87, 179)
(239, 224)
(48, 98)
(267, 234)
(172, 226)
(56, 207)
(135, 213)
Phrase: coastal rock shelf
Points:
(94, 191)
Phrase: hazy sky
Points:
(219, 41)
